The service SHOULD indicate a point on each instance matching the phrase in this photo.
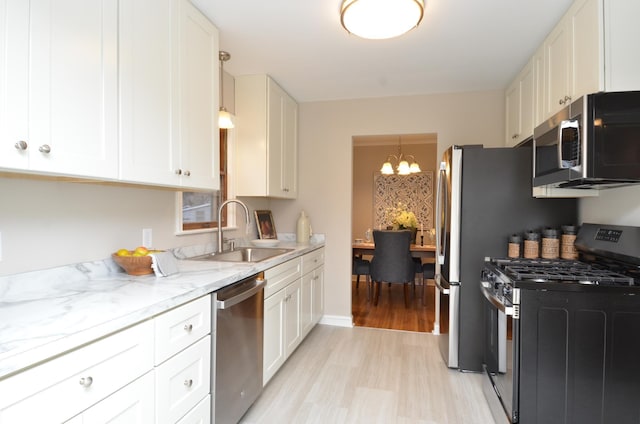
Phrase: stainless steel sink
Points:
(244, 254)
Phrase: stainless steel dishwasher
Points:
(239, 313)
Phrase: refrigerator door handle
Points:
(440, 207)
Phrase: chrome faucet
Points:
(226, 202)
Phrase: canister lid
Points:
(515, 238)
(569, 229)
(531, 235)
(550, 233)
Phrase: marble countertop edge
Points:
(46, 313)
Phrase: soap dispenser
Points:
(303, 232)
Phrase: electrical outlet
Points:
(147, 237)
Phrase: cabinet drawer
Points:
(312, 260)
(181, 327)
(201, 414)
(63, 387)
(182, 381)
(133, 404)
(281, 276)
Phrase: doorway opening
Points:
(371, 195)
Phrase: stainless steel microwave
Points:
(592, 143)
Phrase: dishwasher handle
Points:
(256, 285)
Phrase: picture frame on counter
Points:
(265, 224)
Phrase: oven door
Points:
(501, 357)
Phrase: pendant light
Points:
(403, 167)
(380, 19)
(224, 117)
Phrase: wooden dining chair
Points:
(362, 267)
(392, 261)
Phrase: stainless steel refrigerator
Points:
(483, 196)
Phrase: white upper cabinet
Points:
(519, 106)
(168, 95)
(590, 50)
(573, 55)
(197, 159)
(110, 89)
(58, 94)
(148, 42)
(267, 139)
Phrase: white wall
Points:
(619, 206)
(325, 154)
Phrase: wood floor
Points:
(391, 312)
(366, 375)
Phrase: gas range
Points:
(604, 264)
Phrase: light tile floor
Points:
(366, 375)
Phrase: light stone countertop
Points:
(46, 313)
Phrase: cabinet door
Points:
(317, 296)
(133, 404)
(275, 137)
(292, 327)
(183, 381)
(306, 306)
(512, 108)
(289, 169)
(527, 101)
(198, 159)
(14, 83)
(557, 65)
(587, 72)
(147, 50)
(73, 87)
(539, 87)
(274, 353)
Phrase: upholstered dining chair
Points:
(392, 261)
(361, 267)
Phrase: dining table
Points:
(425, 252)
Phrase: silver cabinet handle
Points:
(21, 145)
(188, 382)
(187, 173)
(86, 381)
(188, 327)
(178, 171)
(45, 148)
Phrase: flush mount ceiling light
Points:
(380, 19)
(403, 166)
(224, 117)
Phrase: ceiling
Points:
(460, 45)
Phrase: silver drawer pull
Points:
(45, 148)
(188, 382)
(86, 381)
(188, 327)
(21, 145)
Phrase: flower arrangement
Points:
(401, 218)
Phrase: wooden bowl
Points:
(134, 265)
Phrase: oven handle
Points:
(508, 310)
(439, 281)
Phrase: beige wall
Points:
(367, 160)
(325, 153)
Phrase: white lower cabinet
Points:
(183, 381)
(156, 371)
(291, 311)
(183, 361)
(63, 387)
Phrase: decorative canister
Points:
(303, 229)
(550, 244)
(368, 235)
(515, 240)
(531, 245)
(567, 247)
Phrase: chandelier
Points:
(405, 164)
(224, 117)
(380, 19)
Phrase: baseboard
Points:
(337, 320)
